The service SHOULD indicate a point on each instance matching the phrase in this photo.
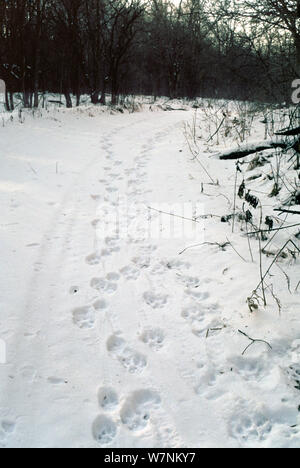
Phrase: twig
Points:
(235, 196)
(213, 330)
(222, 246)
(260, 260)
(288, 280)
(217, 129)
(236, 250)
(272, 230)
(206, 171)
(252, 342)
(174, 215)
(249, 244)
(33, 170)
(275, 260)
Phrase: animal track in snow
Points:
(99, 305)
(194, 313)
(209, 386)
(189, 281)
(115, 176)
(104, 430)
(8, 426)
(199, 316)
(96, 197)
(108, 399)
(113, 277)
(131, 360)
(84, 317)
(56, 381)
(112, 189)
(133, 182)
(95, 223)
(196, 294)
(142, 262)
(112, 247)
(176, 265)
(148, 249)
(249, 368)
(158, 269)
(155, 300)
(112, 241)
(251, 427)
(104, 286)
(130, 272)
(153, 337)
(93, 259)
(105, 253)
(136, 412)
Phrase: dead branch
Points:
(275, 260)
(221, 246)
(272, 230)
(211, 138)
(173, 215)
(252, 342)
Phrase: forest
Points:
(228, 49)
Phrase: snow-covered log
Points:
(292, 132)
(247, 150)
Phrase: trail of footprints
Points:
(134, 414)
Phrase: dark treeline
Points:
(153, 47)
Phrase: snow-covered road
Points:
(107, 336)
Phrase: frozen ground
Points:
(120, 341)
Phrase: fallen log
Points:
(52, 101)
(292, 132)
(247, 150)
(282, 210)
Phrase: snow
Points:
(131, 340)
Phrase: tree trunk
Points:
(7, 104)
(36, 79)
(11, 100)
(95, 97)
(114, 89)
(103, 93)
(26, 99)
(68, 99)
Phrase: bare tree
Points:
(268, 15)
